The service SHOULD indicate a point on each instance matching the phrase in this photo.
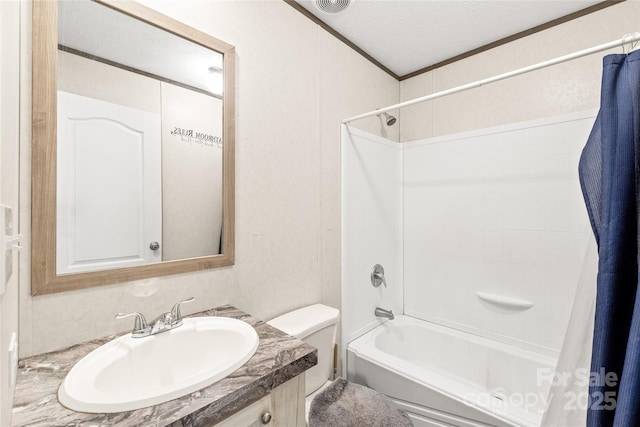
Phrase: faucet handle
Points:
(377, 276)
(176, 316)
(140, 327)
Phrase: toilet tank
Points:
(316, 325)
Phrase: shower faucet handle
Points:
(377, 276)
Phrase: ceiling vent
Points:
(333, 7)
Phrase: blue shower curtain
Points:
(611, 188)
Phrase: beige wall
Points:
(295, 82)
(572, 86)
(79, 75)
(191, 174)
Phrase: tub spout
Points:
(381, 312)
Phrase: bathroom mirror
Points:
(132, 146)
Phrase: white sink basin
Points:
(132, 373)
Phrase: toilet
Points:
(316, 325)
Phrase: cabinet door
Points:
(251, 416)
(285, 406)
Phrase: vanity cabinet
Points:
(283, 407)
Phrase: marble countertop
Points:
(278, 359)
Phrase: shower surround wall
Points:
(371, 230)
(497, 211)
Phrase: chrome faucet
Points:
(381, 312)
(166, 321)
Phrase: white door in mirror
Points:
(132, 373)
(109, 190)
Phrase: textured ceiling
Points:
(408, 35)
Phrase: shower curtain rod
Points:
(620, 42)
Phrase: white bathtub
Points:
(444, 377)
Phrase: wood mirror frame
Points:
(44, 278)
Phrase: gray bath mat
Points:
(345, 404)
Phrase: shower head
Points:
(389, 119)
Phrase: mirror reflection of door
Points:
(112, 58)
(109, 185)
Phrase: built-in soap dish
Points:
(505, 302)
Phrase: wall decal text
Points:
(195, 137)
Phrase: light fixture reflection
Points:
(214, 82)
